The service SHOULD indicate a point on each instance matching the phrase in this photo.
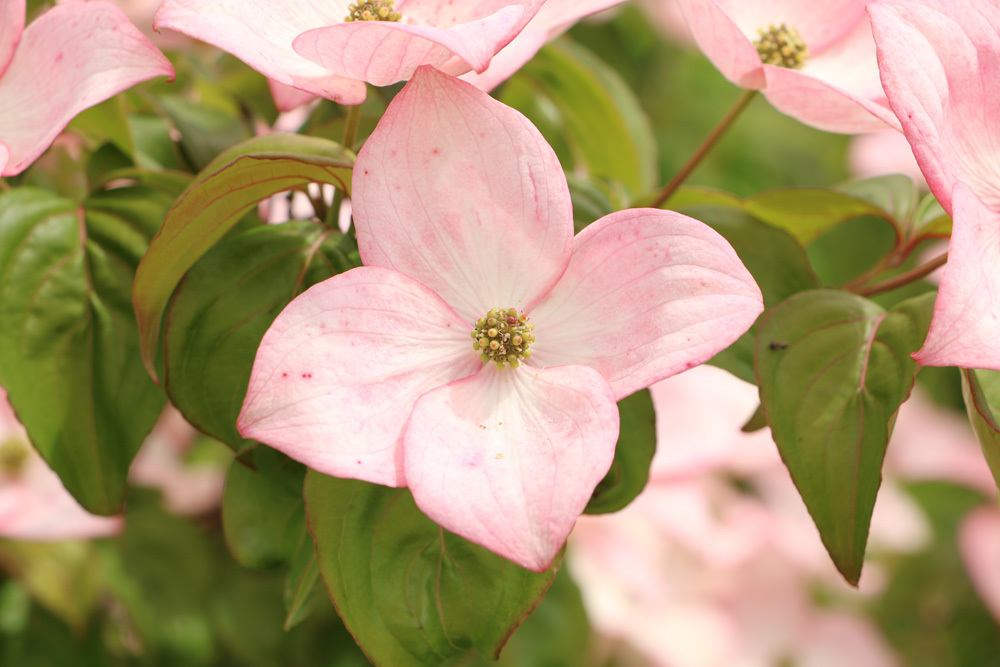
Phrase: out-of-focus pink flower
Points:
(940, 62)
(703, 572)
(34, 505)
(478, 356)
(187, 489)
(74, 56)
(980, 541)
(667, 17)
(881, 153)
(815, 61)
(311, 47)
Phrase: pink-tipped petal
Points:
(940, 63)
(11, 27)
(965, 329)
(980, 542)
(4, 158)
(448, 35)
(463, 194)
(288, 98)
(509, 458)
(260, 33)
(724, 42)
(647, 294)
(838, 90)
(74, 56)
(554, 18)
(339, 370)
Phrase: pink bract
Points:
(979, 538)
(33, 503)
(461, 207)
(308, 45)
(838, 87)
(940, 64)
(74, 56)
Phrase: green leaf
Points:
(69, 344)
(262, 515)
(224, 306)
(410, 592)
(833, 369)
(106, 122)
(808, 212)
(981, 390)
(633, 456)
(603, 123)
(774, 258)
(205, 131)
(221, 195)
(303, 591)
(895, 194)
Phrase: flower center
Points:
(503, 336)
(373, 10)
(13, 456)
(781, 46)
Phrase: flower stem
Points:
(903, 279)
(351, 125)
(713, 138)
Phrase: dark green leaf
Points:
(808, 212)
(221, 195)
(262, 514)
(833, 369)
(303, 591)
(633, 456)
(205, 131)
(981, 390)
(410, 592)
(69, 345)
(223, 307)
(602, 122)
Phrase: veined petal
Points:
(75, 55)
(724, 42)
(463, 194)
(979, 538)
(509, 458)
(965, 329)
(940, 63)
(11, 27)
(288, 98)
(838, 90)
(261, 32)
(647, 294)
(554, 18)
(453, 36)
(338, 372)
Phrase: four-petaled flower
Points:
(74, 56)
(940, 63)
(409, 371)
(813, 59)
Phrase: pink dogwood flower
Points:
(72, 57)
(308, 49)
(34, 505)
(815, 61)
(478, 355)
(940, 64)
(330, 49)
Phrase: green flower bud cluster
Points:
(781, 46)
(503, 336)
(373, 10)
